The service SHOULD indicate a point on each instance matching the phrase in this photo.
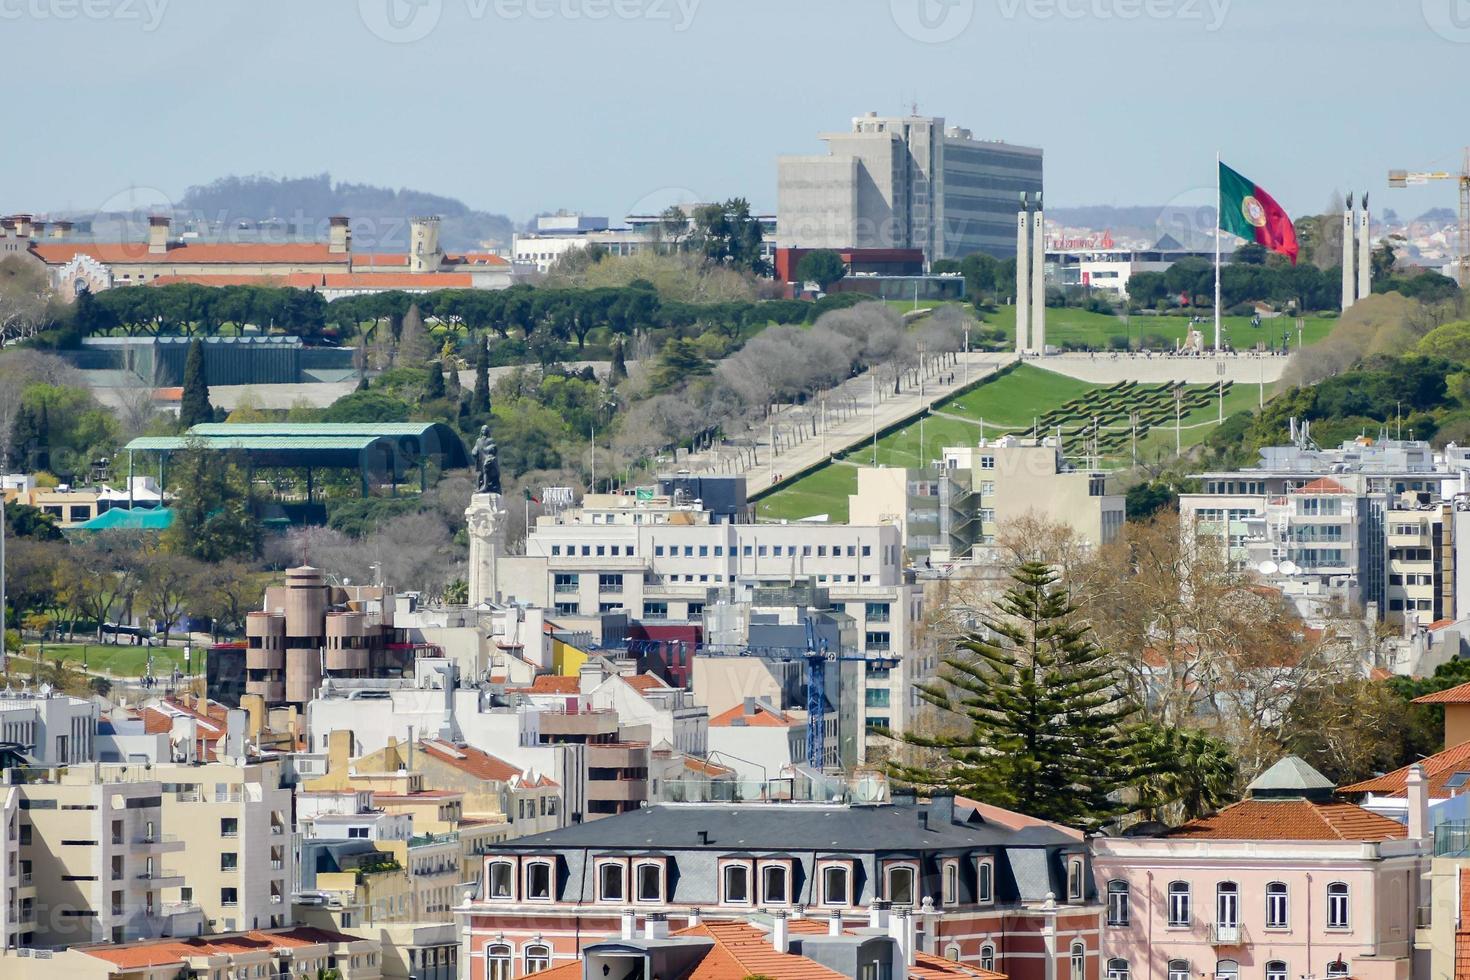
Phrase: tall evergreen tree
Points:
(480, 400)
(415, 346)
(1051, 733)
(195, 408)
(619, 370)
(434, 384)
(25, 441)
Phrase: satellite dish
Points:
(1289, 568)
(1269, 568)
(868, 789)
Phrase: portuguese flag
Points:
(1248, 211)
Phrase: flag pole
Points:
(1218, 216)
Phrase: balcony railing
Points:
(1452, 838)
(1225, 934)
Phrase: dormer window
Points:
(735, 884)
(985, 882)
(775, 888)
(502, 880)
(901, 885)
(538, 881)
(836, 885)
(611, 884)
(649, 876)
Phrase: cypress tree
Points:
(480, 400)
(434, 385)
(619, 370)
(194, 408)
(1051, 733)
(25, 439)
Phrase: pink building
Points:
(1286, 884)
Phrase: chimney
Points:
(900, 930)
(339, 234)
(941, 809)
(878, 914)
(254, 706)
(834, 924)
(656, 926)
(694, 920)
(749, 708)
(781, 933)
(22, 225)
(1418, 792)
(61, 229)
(630, 924)
(158, 228)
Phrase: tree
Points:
(194, 407)
(679, 361)
(619, 370)
(25, 521)
(1250, 253)
(367, 406)
(1144, 500)
(1195, 775)
(480, 397)
(213, 517)
(415, 346)
(434, 384)
(1050, 730)
(821, 266)
(167, 583)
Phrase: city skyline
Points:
(1121, 86)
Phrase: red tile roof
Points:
(1322, 485)
(763, 716)
(367, 261)
(555, 684)
(166, 952)
(477, 258)
(187, 253)
(643, 683)
(480, 764)
(1292, 820)
(1438, 768)
(1459, 694)
(329, 280)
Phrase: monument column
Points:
(1347, 254)
(486, 521)
(1365, 252)
(1038, 279)
(1023, 277)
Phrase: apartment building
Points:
(670, 715)
(51, 728)
(759, 741)
(1290, 882)
(92, 860)
(906, 182)
(976, 885)
(1375, 524)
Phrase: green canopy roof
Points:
(123, 519)
(338, 444)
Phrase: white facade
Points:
(669, 713)
(56, 729)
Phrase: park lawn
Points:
(123, 660)
(1016, 398)
(1070, 325)
(902, 448)
(1196, 426)
(823, 491)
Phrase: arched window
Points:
(1276, 970)
(610, 883)
(952, 952)
(773, 885)
(987, 957)
(1337, 968)
(1337, 905)
(1078, 964)
(737, 884)
(497, 962)
(1117, 970)
(1074, 879)
(538, 881)
(650, 879)
(985, 883)
(538, 958)
(1227, 970)
(1276, 901)
(834, 885)
(901, 886)
(1178, 903)
(502, 879)
(1227, 906)
(1117, 902)
(1179, 970)
(951, 884)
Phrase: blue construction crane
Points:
(817, 656)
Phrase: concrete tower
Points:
(1023, 277)
(1365, 252)
(423, 245)
(1038, 279)
(1348, 253)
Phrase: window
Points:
(1227, 905)
(655, 610)
(502, 876)
(987, 957)
(1074, 879)
(650, 882)
(737, 884)
(1078, 964)
(610, 883)
(538, 881)
(1276, 970)
(1117, 903)
(984, 882)
(951, 893)
(834, 885)
(878, 640)
(229, 861)
(1337, 905)
(1179, 970)
(877, 612)
(538, 958)
(901, 886)
(773, 885)
(497, 962)
(1117, 970)
(987, 462)
(1337, 968)
(1227, 970)
(952, 953)
(1178, 903)
(229, 827)
(229, 896)
(1276, 905)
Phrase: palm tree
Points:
(1195, 774)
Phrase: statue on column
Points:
(487, 463)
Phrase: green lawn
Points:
(823, 491)
(1068, 325)
(122, 660)
(1015, 399)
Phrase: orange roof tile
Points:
(1459, 694)
(1296, 820)
(1322, 485)
(477, 258)
(741, 950)
(481, 764)
(763, 716)
(1438, 768)
(166, 952)
(367, 261)
(1440, 624)
(705, 767)
(643, 683)
(555, 684)
(187, 253)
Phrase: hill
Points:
(379, 214)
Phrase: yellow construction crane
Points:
(1411, 178)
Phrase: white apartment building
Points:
(17, 888)
(53, 729)
(670, 714)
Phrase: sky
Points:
(614, 106)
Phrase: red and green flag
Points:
(1248, 211)
(530, 497)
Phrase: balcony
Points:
(617, 790)
(619, 755)
(566, 588)
(1223, 934)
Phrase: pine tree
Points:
(434, 385)
(194, 408)
(1051, 733)
(619, 370)
(480, 400)
(25, 441)
(415, 346)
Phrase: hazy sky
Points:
(606, 105)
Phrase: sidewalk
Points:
(805, 436)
